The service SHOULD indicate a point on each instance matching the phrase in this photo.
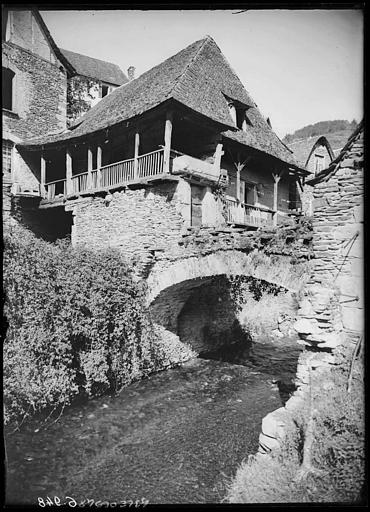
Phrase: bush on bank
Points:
(77, 324)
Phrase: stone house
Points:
(182, 145)
(333, 306)
(90, 80)
(34, 88)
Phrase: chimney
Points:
(269, 122)
(131, 73)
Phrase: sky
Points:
(300, 66)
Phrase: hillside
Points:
(302, 140)
(319, 128)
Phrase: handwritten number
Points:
(41, 502)
(72, 502)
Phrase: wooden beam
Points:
(218, 155)
(238, 169)
(89, 166)
(68, 172)
(275, 206)
(167, 141)
(136, 155)
(98, 165)
(42, 176)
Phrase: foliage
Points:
(79, 91)
(338, 450)
(77, 323)
(320, 128)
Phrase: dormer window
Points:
(104, 90)
(238, 114)
(232, 111)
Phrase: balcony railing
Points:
(115, 174)
(247, 215)
(55, 188)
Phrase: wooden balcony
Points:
(243, 214)
(150, 165)
(144, 168)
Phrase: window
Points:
(104, 90)
(238, 113)
(319, 163)
(7, 160)
(7, 76)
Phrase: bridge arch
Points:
(190, 297)
(274, 269)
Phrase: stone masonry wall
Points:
(333, 305)
(39, 106)
(139, 222)
(40, 94)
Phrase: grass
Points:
(337, 451)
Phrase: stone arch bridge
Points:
(189, 292)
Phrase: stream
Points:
(175, 437)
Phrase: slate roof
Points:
(198, 77)
(95, 68)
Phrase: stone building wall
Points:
(39, 90)
(136, 221)
(39, 105)
(333, 306)
(331, 309)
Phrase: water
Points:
(176, 437)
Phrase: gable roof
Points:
(302, 148)
(325, 174)
(198, 77)
(95, 68)
(321, 141)
(35, 12)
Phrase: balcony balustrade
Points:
(115, 174)
(247, 215)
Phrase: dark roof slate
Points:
(95, 68)
(199, 77)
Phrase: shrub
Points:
(337, 452)
(77, 323)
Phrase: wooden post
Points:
(218, 156)
(98, 165)
(68, 172)
(275, 207)
(167, 142)
(89, 167)
(42, 176)
(238, 182)
(136, 155)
